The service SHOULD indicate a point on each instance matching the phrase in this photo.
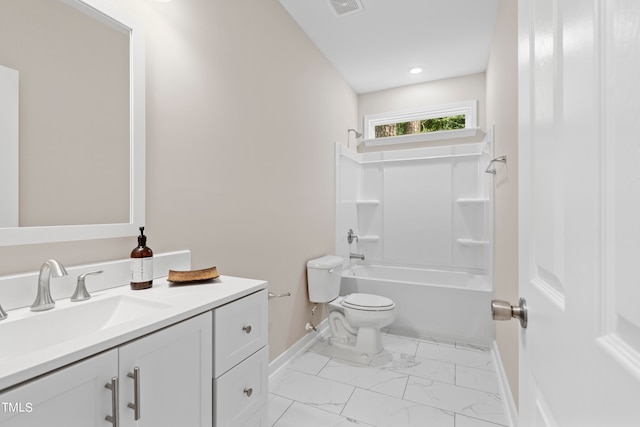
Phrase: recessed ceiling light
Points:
(415, 70)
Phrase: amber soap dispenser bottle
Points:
(141, 264)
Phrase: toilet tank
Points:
(323, 278)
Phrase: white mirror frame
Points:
(32, 235)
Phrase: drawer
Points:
(240, 395)
(259, 418)
(240, 328)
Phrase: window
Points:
(436, 124)
(422, 124)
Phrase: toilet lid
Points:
(367, 302)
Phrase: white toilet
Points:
(355, 320)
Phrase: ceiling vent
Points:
(345, 7)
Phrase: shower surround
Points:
(423, 218)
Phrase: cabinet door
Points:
(74, 396)
(174, 376)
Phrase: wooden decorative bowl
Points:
(193, 276)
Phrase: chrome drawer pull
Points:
(247, 329)
(136, 393)
(113, 386)
(248, 391)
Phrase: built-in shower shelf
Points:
(472, 242)
(369, 202)
(368, 238)
(469, 201)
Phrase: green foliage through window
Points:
(421, 126)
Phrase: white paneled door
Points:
(579, 114)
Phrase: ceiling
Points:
(375, 45)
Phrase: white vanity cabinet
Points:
(193, 356)
(74, 396)
(240, 385)
(173, 368)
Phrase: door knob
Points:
(502, 310)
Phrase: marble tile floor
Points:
(413, 382)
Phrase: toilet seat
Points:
(367, 302)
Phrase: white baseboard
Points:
(300, 346)
(510, 409)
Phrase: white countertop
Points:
(184, 301)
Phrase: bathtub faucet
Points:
(356, 256)
(351, 236)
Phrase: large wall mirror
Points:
(71, 121)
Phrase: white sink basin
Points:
(38, 331)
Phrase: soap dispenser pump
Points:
(141, 264)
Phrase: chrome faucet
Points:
(51, 268)
(351, 236)
(356, 256)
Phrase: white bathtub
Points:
(429, 303)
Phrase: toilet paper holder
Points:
(271, 295)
